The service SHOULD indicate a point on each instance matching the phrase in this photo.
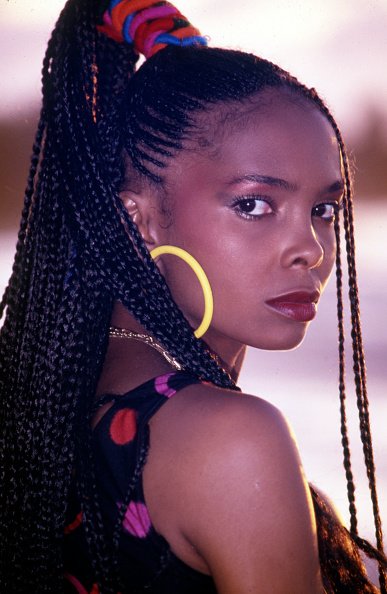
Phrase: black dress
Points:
(120, 442)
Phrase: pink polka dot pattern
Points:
(74, 524)
(123, 426)
(120, 443)
(76, 583)
(162, 387)
(137, 521)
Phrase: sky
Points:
(337, 46)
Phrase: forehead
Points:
(274, 133)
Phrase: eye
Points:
(326, 211)
(251, 207)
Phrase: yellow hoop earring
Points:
(202, 278)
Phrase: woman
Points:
(113, 484)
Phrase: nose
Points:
(302, 248)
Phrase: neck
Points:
(231, 361)
(229, 353)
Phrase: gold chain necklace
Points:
(147, 339)
(115, 332)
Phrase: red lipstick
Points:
(300, 306)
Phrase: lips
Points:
(300, 306)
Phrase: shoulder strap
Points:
(166, 385)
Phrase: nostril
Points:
(305, 256)
(300, 261)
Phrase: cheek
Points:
(234, 269)
(329, 245)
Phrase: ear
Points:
(144, 211)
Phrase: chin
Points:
(281, 342)
(291, 347)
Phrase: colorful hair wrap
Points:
(149, 25)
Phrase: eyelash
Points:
(245, 199)
(336, 209)
(236, 205)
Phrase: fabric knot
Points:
(148, 25)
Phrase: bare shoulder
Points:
(243, 500)
(239, 433)
(225, 418)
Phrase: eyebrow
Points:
(337, 186)
(277, 182)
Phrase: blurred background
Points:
(340, 48)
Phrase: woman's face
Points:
(256, 209)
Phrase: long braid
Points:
(358, 362)
(360, 372)
(155, 286)
(358, 352)
(90, 505)
(342, 390)
(64, 326)
(22, 567)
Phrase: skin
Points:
(223, 481)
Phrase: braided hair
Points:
(78, 251)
